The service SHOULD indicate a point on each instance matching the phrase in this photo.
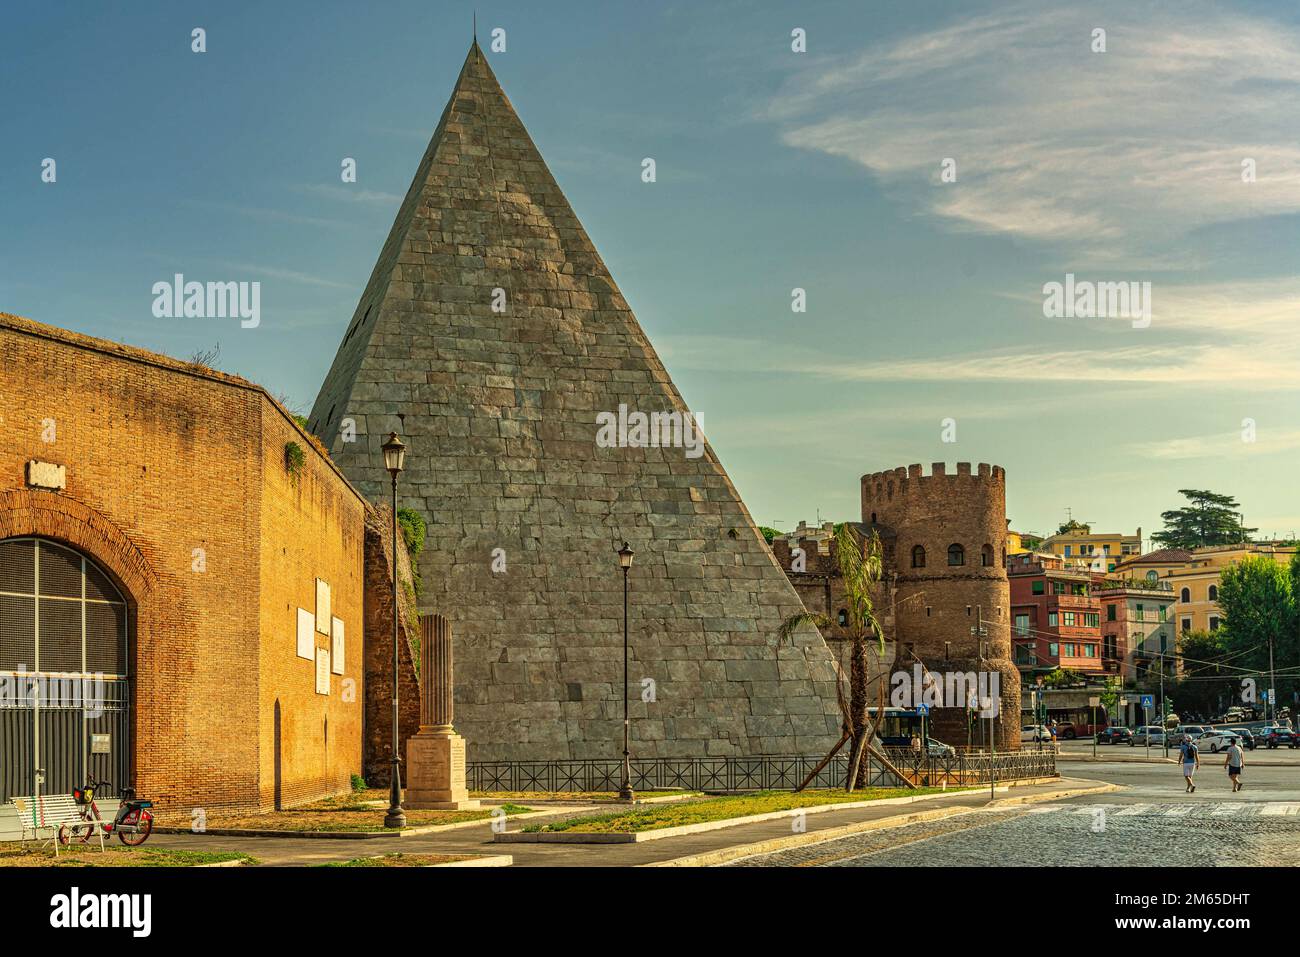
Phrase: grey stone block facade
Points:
(499, 409)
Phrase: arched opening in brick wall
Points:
(90, 595)
(64, 634)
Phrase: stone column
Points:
(435, 757)
(437, 704)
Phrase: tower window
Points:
(986, 556)
(843, 617)
(956, 555)
(918, 556)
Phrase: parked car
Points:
(1193, 731)
(1248, 739)
(937, 749)
(1215, 741)
(1114, 735)
(1275, 736)
(1034, 732)
(1148, 734)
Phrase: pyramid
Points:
(489, 336)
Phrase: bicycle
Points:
(133, 822)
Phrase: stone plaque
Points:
(306, 637)
(336, 646)
(322, 606)
(47, 475)
(322, 671)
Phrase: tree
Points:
(1259, 602)
(861, 567)
(1205, 656)
(1073, 526)
(1208, 519)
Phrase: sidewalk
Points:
(478, 840)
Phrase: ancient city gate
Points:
(64, 689)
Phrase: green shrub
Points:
(358, 782)
(294, 460)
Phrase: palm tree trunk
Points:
(858, 709)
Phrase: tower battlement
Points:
(902, 481)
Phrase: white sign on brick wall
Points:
(47, 475)
(322, 671)
(322, 606)
(336, 647)
(306, 634)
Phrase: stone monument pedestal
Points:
(435, 756)
(435, 768)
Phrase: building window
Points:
(1037, 587)
(956, 555)
(986, 556)
(873, 518)
(1069, 619)
(1162, 612)
(1022, 626)
(1110, 612)
(1067, 649)
(1141, 615)
(1090, 651)
(1053, 649)
(968, 611)
(1214, 623)
(927, 611)
(1067, 549)
(59, 612)
(918, 556)
(1052, 619)
(1214, 593)
(1152, 576)
(1185, 596)
(843, 617)
(1187, 625)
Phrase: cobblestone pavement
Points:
(1073, 835)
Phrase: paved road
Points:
(1151, 822)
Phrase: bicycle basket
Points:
(82, 795)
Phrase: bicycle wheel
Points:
(135, 832)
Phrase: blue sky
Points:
(776, 170)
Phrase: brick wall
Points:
(162, 459)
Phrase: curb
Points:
(416, 831)
(726, 855)
(659, 834)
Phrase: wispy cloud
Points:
(350, 194)
(1106, 152)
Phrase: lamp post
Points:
(625, 790)
(394, 457)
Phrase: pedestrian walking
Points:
(1236, 758)
(1191, 758)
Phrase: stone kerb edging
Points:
(726, 855)
(638, 837)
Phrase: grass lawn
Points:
(337, 814)
(583, 796)
(34, 855)
(400, 860)
(656, 816)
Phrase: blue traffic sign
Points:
(922, 709)
(1148, 700)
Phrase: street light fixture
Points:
(625, 790)
(394, 459)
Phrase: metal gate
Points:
(65, 728)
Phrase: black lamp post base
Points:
(625, 794)
(394, 818)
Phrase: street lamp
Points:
(394, 458)
(625, 790)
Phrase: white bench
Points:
(50, 811)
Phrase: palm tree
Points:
(861, 568)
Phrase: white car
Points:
(1034, 732)
(1216, 741)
